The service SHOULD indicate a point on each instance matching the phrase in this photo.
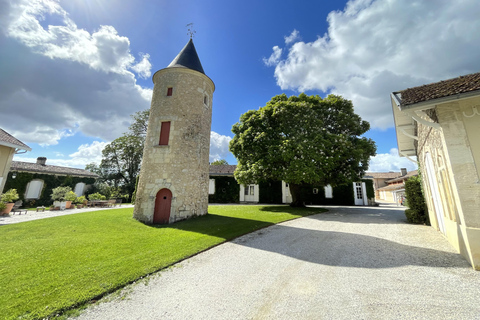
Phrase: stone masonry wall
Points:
(455, 150)
(183, 165)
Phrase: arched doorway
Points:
(163, 203)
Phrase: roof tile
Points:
(39, 168)
(441, 89)
(10, 140)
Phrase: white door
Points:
(286, 195)
(358, 193)
(251, 193)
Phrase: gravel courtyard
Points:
(348, 263)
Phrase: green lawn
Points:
(51, 265)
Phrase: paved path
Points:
(350, 263)
(33, 215)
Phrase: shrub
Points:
(3, 206)
(10, 196)
(417, 212)
(70, 196)
(96, 196)
(59, 193)
(80, 199)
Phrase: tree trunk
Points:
(295, 191)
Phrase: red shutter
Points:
(164, 133)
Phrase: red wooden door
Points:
(163, 203)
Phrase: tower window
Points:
(169, 91)
(164, 133)
(205, 99)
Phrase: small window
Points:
(211, 186)
(250, 190)
(328, 192)
(205, 99)
(169, 91)
(315, 191)
(164, 133)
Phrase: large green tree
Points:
(121, 159)
(302, 140)
(121, 162)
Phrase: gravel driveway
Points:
(349, 263)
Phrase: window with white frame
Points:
(211, 186)
(79, 189)
(250, 190)
(34, 188)
(328, 191)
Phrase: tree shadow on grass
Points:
(219, 226)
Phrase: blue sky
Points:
(72, 72)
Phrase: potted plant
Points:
(58, 197)
(70, 197)
(8, 198)
(79, 201)
(3, 206)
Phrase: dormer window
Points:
(169, 91)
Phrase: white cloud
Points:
(103, 50)
(373, 48)
(86, 154)
(61, 79)
(274, 57)
(295, 35)
(143, 68)
(386, 162)
(218, 146)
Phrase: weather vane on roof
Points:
(190, 30)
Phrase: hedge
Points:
(417, 212)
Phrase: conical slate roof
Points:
(187, 58)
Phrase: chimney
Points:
(41, 160)
(404, 171)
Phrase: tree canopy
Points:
(302, 140)
(219, 162)
(121, 159)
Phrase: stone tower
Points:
(173, 183)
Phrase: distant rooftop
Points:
(382, 175)
(40, 167)
(408, 175)
(222, 170)
(463, 84)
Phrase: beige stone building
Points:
(380, 180)
(440, 124)
(394, 189)
(174, 177)
(9, 146)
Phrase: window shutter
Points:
(164, 133)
